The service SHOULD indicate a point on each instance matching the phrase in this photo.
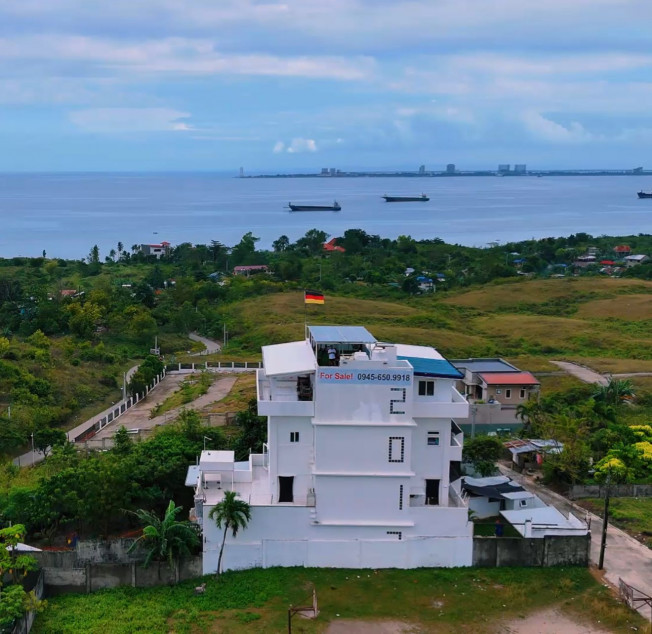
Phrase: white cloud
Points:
(112, 120)
(279, 146)
(299, 145)
(547, 130)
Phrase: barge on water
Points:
(334, 207)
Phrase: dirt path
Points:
(582, 372)
(138, 417)
(211, 346)
(549, 621)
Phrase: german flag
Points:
(313, 297)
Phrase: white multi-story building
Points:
(362, 464)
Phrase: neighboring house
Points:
(585, 260)
(158, 250)
(633, 260)
(487, 379)
(622, 250)
(330, 246)
(525, 511)
(425, 283)
(530, 454)
(362, 468)
(250, 269)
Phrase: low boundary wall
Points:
(580, 491)
(552, 550)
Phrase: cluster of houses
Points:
(611, 264)
(362, 467)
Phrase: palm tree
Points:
(615, 392)
(167, 539)
(230, 513)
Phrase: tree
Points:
(166, 540)
(46, 439)
(282, 244)
(482, 452)
(122, 443)
(616, 392)
(14, 601)
(231, 513)
(120, 248)
(253, 431)
(94, 255)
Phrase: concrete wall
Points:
(63, 573)
(617, 491)
(545, 552)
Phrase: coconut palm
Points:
(167, 539)
(231, 513)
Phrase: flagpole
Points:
(305, 314)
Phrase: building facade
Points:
(362, 464)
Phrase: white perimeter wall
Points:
(283, 536)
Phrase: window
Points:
(399, 534)
(400, 498)
(433, 438)
(522, 503)
(508, 394)
(396, 452)
(522, 392)
(426, 388)
(499, 391)
(294, 436)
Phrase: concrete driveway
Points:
(624, 556)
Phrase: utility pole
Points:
(474, 409)
(605, 521)
(33, 455)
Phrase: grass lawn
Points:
(453, 600)
(633, 515)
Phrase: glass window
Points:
(294, 436)
(433, 438)
(426, 388)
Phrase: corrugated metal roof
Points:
(484, 365)
(422, 352)
(508, 378)
(340, 334)
(433, 367)
(295, 357)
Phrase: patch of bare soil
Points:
(346, 626)
(548, 622)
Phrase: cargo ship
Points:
(334, 207)
(406, 199)
(644, 195)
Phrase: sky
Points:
(130, 85)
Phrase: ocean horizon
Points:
(66, 213)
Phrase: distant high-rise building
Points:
(503, 168)
(241, 172)
(324, 171)
(422, 170)
(450, 168)
(333, 171)
(520, 168)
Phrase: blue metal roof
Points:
(340, 334)
(433, 367)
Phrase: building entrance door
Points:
(285, 488)
(432, 492)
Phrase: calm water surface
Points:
(66, 214)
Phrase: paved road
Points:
(138, 417)
(211, 346)
(582, 372)
(624, 556)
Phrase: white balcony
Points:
(434, 407)
(283, 396)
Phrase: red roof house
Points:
(623, 249)
(331, 246)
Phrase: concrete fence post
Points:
(133, 574)
(89, 585)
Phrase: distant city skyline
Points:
(299, 85)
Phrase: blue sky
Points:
(301, 84)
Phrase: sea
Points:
(65, 214)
